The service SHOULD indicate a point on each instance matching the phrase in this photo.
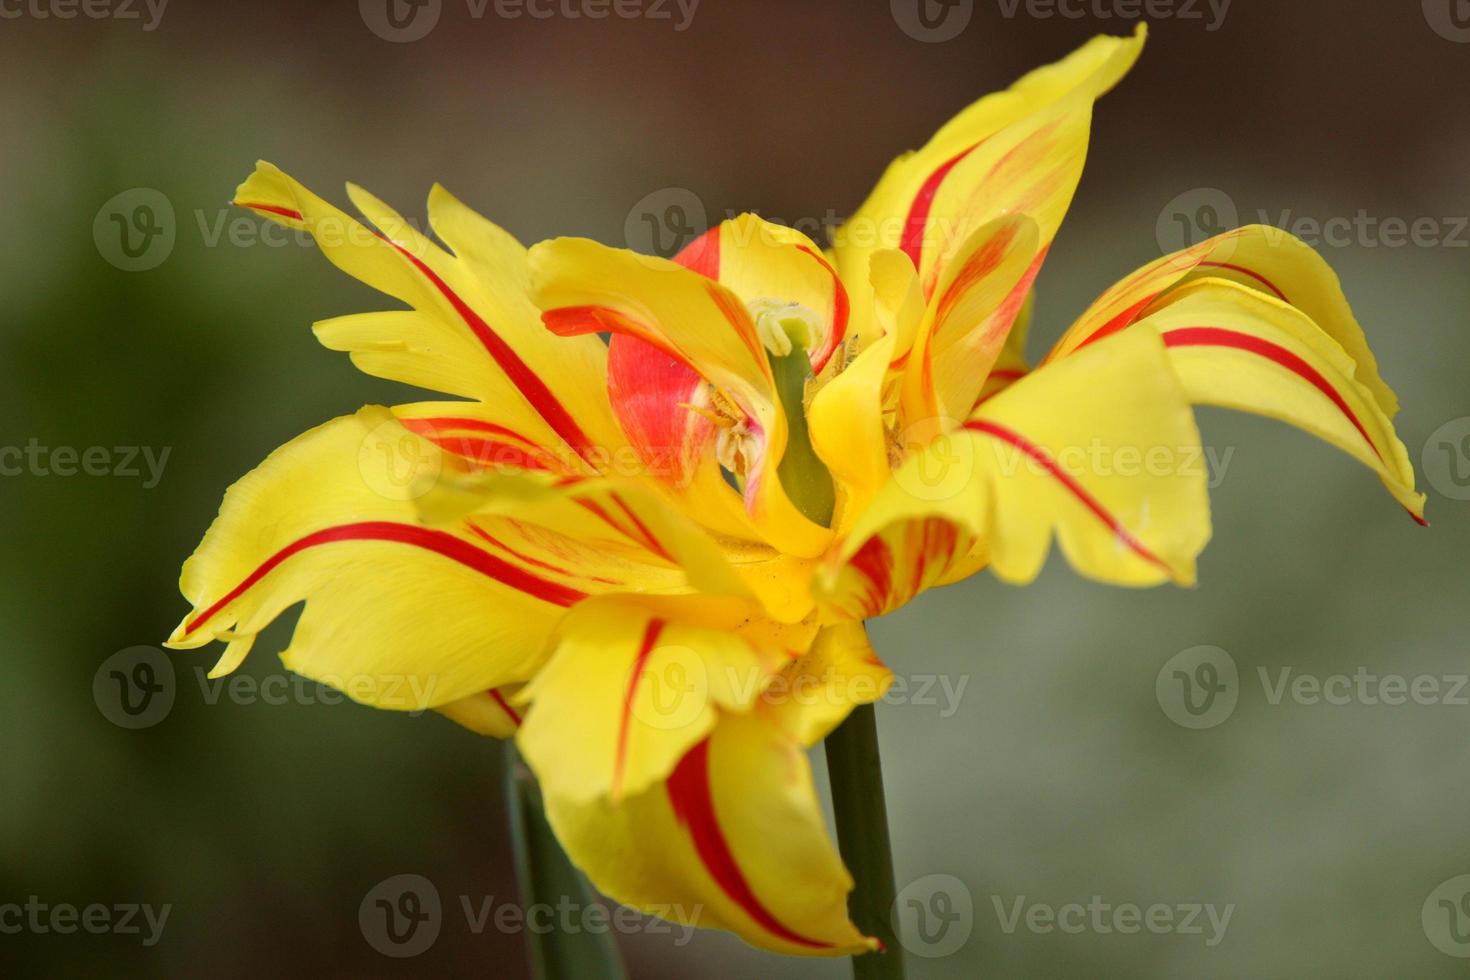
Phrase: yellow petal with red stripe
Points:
(757, 259)
(1099, 450)
(487, 713)
(584, 287)
(1017, 151)
(1240, 348)
(471, 329)
(814, 694)
(734, 839)
(397, 614)
(977, 301)
(1267, 260)
(631, 688)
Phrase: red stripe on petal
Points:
(272, 209)
(440, 542)
(645, 650)
(841, 311)
(875, 562)
(1040, 455)
(1252, 274)
(510, 712)
(1221, 337)
(917, 223)
(694, 807)
(527, 382)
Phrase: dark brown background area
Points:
(1056, 776)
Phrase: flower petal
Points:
(471, 330)
(839, 672)
(734, 839)
(486, 713)
(584, 287)
(1238, 348)
(1265, 259)
(323, 520)
(630, 688)
(1105, 455)
(1013, 152)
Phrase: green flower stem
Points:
(856, 773)
(546, 877)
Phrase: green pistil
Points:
(802, 474)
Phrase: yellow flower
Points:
(649, 558)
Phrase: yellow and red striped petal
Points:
(734, 839)
(1099, 450)
(1239, 348)
(471, 329)
(1267, 260)
(974, 307)
(631, 687)
(486, 713)
(840, 671)
(397, 614)
(1013, 152)
(756, 259)
(584, 287)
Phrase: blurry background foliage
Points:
(1057, 778)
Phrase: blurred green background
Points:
(1055, 776)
